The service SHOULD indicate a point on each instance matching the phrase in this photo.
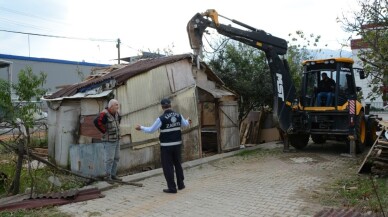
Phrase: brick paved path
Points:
(272, 184)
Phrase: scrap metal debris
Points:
(376, 161)
(54, 199)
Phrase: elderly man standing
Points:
(108, 122)
(169, 123)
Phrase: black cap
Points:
(165, 101)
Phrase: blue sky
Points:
(151, 24)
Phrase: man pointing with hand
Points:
(170, 138)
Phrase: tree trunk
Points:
(15, 187)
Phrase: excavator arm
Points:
(283, 86)
(255, 37)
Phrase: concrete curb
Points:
(186, 165)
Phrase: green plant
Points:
(257, 153)
(20, 115)
(244, 153)
(47, 212)
(39, 178)
(358, 192)
(39, 142)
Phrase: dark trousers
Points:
(171, 157)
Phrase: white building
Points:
(356, 45)
(60, 73)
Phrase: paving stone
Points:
(233, 186)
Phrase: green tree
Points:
(244, 70)
(370, 23)
(19, 115)
(6, 108)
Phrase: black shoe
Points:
(181, 187)
(117, 178)
(108, 180)
(169, 191)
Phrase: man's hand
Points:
(188, 119)
(138, 127)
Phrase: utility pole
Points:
(118, 49)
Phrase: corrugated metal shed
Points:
(139, 87)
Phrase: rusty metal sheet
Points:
(70, 194)
(83, 195)
(216, 92)
(87, 127)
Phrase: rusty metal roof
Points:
(120, 75)
(217, 92)
(71, 196)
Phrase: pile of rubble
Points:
(376, 161)
(259, 127)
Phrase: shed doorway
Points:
(209, 136)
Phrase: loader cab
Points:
(340, 71)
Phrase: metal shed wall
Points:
(63, 125)
(140, 104)
(202, 79)
(145, 148)
(141, 95)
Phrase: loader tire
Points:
(318, 139)
(371, 135)
(299, 141)
(360, 132)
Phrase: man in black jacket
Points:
(325, 89)
(170, 138)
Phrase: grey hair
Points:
(112, 102)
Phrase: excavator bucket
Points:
(195, 29)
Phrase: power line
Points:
(57, 36)
(31, 15)
(13, 22)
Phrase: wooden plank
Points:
(249, 134)
(381, 164)
(254, 132)
(244, 140)
(242, 130)
(383, 142)
(258, 130)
